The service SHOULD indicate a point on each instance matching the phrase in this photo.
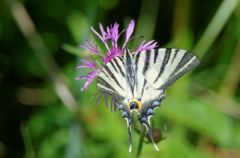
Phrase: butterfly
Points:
(138, 81)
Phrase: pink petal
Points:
(104, 34)
(87, 64)
(91, 47)
(147, 46)
(96, 33)
(129, 31)
(89, 77)
(115, 51)
(113, 32)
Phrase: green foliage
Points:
(43, 113)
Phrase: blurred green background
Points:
(43, 113)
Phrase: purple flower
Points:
(113, 32)
(146, 46)
(91, 47)
(89, 77)
(109, 37)
(104, 36)
(129, 31)
(115, 51)
(87, 64)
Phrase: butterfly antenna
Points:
(137, 36)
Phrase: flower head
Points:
(146, 46)
(109, 37)
(87, 64)
(91, 47)
(112, 31)
(89, 77)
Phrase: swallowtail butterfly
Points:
(138, 81)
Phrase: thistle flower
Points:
(91, 47)
(109, 38)
(147, 46)
(87, 64)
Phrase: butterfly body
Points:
(138, 81)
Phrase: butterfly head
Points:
(134, 104)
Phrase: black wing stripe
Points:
(104, 83)
(164, 63)
(174, 77)
(121, 59)
(186, 57)
(113, 66)
(146, 65)
(106, 74)
(145, 81)
(137, 57)
(105, 91)
(128, 59)
(129, 66)
(156, 52)
(119, 67)
(174, 56)
(113, 77)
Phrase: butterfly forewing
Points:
(130, 73)
(112, 79)
(164, 66)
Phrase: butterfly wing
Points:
(144, 76)
(162, 67)
(156, 70)
(111, 79)
(118, 79)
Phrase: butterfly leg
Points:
(144, 118)
(127, 116)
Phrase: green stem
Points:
(140, 143)
(27, 140)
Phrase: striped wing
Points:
(146, 75)
(118, 77)
(162, 67)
